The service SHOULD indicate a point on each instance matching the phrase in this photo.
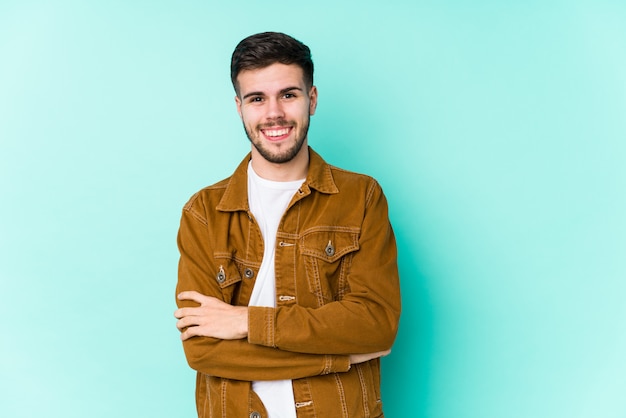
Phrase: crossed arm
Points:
(217, 319)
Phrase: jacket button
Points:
(255, 414)
(221, 276)
(330, 249)
(248, 273)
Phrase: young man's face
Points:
(275, 106)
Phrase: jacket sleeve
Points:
(365, 320)
(234, 359)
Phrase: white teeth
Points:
(276, 132)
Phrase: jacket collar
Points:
(319, 177)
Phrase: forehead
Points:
(270, 79)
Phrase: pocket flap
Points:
(227, 273)
(329, 245)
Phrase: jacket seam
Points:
(271, 328)
(370, 192)
(223, 398)
(342, 396)
(191, 211)
(366, 410)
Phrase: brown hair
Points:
(267, 48)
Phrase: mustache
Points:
(277, 123)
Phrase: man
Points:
(288, 287)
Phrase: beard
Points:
(287, 152)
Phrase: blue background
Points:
(497, 130)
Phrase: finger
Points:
(182, 312)
(191, 316)
(192, 295)
(192, 311)
(186, 322)
(189, 333)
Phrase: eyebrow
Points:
(283, 91)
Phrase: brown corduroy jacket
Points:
(337, 292)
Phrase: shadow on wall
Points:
(406, 372)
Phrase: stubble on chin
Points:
(279, 157)
(288, 154)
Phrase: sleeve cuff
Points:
(336, 364)
(262, 326)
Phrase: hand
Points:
(213, 318)
(361, 358)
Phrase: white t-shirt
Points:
(268, 201)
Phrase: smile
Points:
(276, 133)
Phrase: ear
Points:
(312, 100)
(238, 102)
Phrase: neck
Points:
(294, 169)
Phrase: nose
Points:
(275, 109)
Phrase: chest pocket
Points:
(227, 275)
(327, 256)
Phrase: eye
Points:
(256, 99)
(289, 95)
